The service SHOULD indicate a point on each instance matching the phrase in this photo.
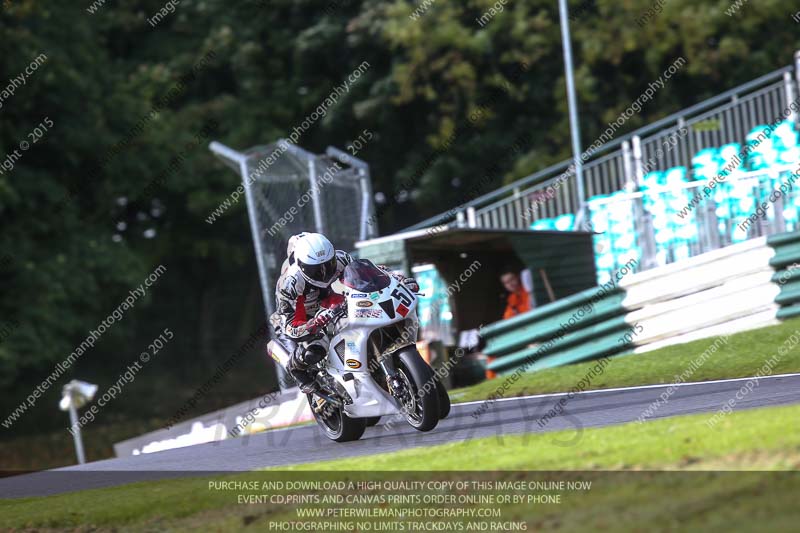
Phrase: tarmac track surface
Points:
(504, 417)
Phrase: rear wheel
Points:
(420, 399)
(336, 425)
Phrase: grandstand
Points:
(718, 173)
(689, 208)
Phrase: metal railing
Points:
(621, 164)
(715, 220)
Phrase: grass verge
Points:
(742, 355)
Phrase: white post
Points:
(645, 230)
(264, 278)
(234, 156)
(315, 199)
(366, 184)
(75, 394)
(627, 164)
(471, 220)
(797, 67)
(266, 292)
(365, 202)
(76, 433)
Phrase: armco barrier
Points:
(723, 291)
(786, 263)
(279, 410)
(732, 289)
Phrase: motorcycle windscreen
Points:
(362, 275)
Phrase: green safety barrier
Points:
(542, 338)
(586, 325)
(547, 327)
(597, 340)
(787, 276)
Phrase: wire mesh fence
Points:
(290, 190)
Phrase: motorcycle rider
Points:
(305, 300)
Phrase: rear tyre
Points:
(336, 425)
(444, 400)
(422, 407)
(372, 420)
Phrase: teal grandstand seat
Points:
(762, 154)
(666, 195)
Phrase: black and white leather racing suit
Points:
(297, 303)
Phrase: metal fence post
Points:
(366, 229)
(797, 67)
(644, 219)
(367, 184)
(572, 105)
(788, 86)
(627, 165)
(797, 72)
(264, 277)
(638, 169)
(471, 222)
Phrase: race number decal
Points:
(403, 294)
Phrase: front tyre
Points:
(336, 425)
(444, 400)
(421, 399)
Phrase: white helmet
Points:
(291, 244)
(316, 259)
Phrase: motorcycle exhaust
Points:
(278, 353)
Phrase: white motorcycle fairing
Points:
(351, 358)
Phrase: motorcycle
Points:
(372, 368)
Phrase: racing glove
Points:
(411, 283)
(323, 318)
(319, 322)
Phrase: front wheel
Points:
(336, 425)
(420, 398)
(444, 400)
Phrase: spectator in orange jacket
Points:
(519, 299)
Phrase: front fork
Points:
(396, 384)
(393, 381)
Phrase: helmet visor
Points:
(321, 273)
